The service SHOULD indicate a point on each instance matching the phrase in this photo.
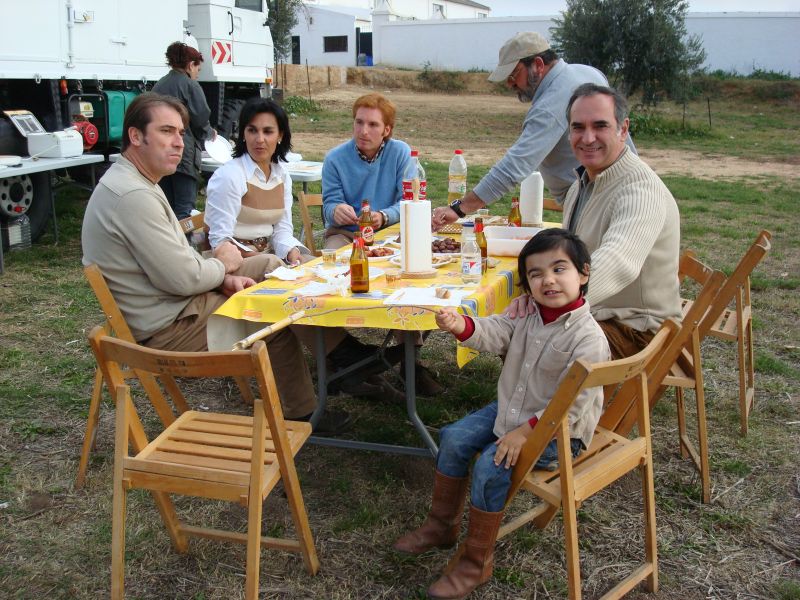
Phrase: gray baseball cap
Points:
(522, 45)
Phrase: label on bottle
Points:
(471, 267)
(457, 184)
(367, 233)
(412, 185)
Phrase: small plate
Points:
(219, 149)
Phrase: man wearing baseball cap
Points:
(530, 67)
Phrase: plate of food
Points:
(446, 245)
(437, 260)
(375, 253)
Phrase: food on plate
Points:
(379, 251)
(442, 293)
(446, 246)
(450, 228)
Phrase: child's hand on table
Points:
(510, 445)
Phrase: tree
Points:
(639, 44)
(281, 19)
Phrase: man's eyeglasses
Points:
(513, 77)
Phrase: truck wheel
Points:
(31, 194)
(228, 125)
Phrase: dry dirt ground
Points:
(441, 107)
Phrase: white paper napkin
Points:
(286, 274)
(426, 297)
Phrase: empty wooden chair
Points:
(736, 323)
(609, 457)
(210, 455)
(307, 200)
(197, 223)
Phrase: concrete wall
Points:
(743, 42)
(454, 44)
(733, 41)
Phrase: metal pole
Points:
(308, 79)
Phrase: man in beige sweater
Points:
(164, 288)
(628, 219)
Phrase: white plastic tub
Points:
(508, 241)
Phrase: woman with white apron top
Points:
(250, 203)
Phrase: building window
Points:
(335, 43)
(249, 5)
(437, 11)
(483, 15)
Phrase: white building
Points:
(339, 32)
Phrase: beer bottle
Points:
(365, 224)
(359, 266)
(515, 217)
(480, 237)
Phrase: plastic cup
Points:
(483, 212)
(392, 275)
(329, 257)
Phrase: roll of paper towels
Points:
(531, 197)
(415, 236)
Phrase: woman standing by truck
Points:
(181, 83)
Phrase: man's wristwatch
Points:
(455, 206)
(385, 218)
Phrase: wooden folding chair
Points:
(307, 200)
(680, 365)
(116, 325)
(609, 457)
(736, 324)
(209, 455)
(193, 224)
(550, 204)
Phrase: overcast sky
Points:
(502, 8)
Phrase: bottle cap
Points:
(458, 152)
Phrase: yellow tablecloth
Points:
(274, 299)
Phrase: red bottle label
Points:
(367, 234)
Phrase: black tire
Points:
(228, 125)
(32, 193)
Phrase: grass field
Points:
(55, 541)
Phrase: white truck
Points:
(81, 62)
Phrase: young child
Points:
(539, 349)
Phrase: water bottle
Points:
(414, 182)
(457, 177)
(19, 233)
(470, 256)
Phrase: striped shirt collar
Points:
(369, 161)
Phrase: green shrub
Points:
(300, 106)
(442, 81)
(654, 125)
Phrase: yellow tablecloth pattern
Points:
(274, 299)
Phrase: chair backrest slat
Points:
(107, 303)
(307, 200)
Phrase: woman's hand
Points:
(510, 445)
(449, 320)
(294, 257)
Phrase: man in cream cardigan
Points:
(628, 219)
(165, 289)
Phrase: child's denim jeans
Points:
(460, 441)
